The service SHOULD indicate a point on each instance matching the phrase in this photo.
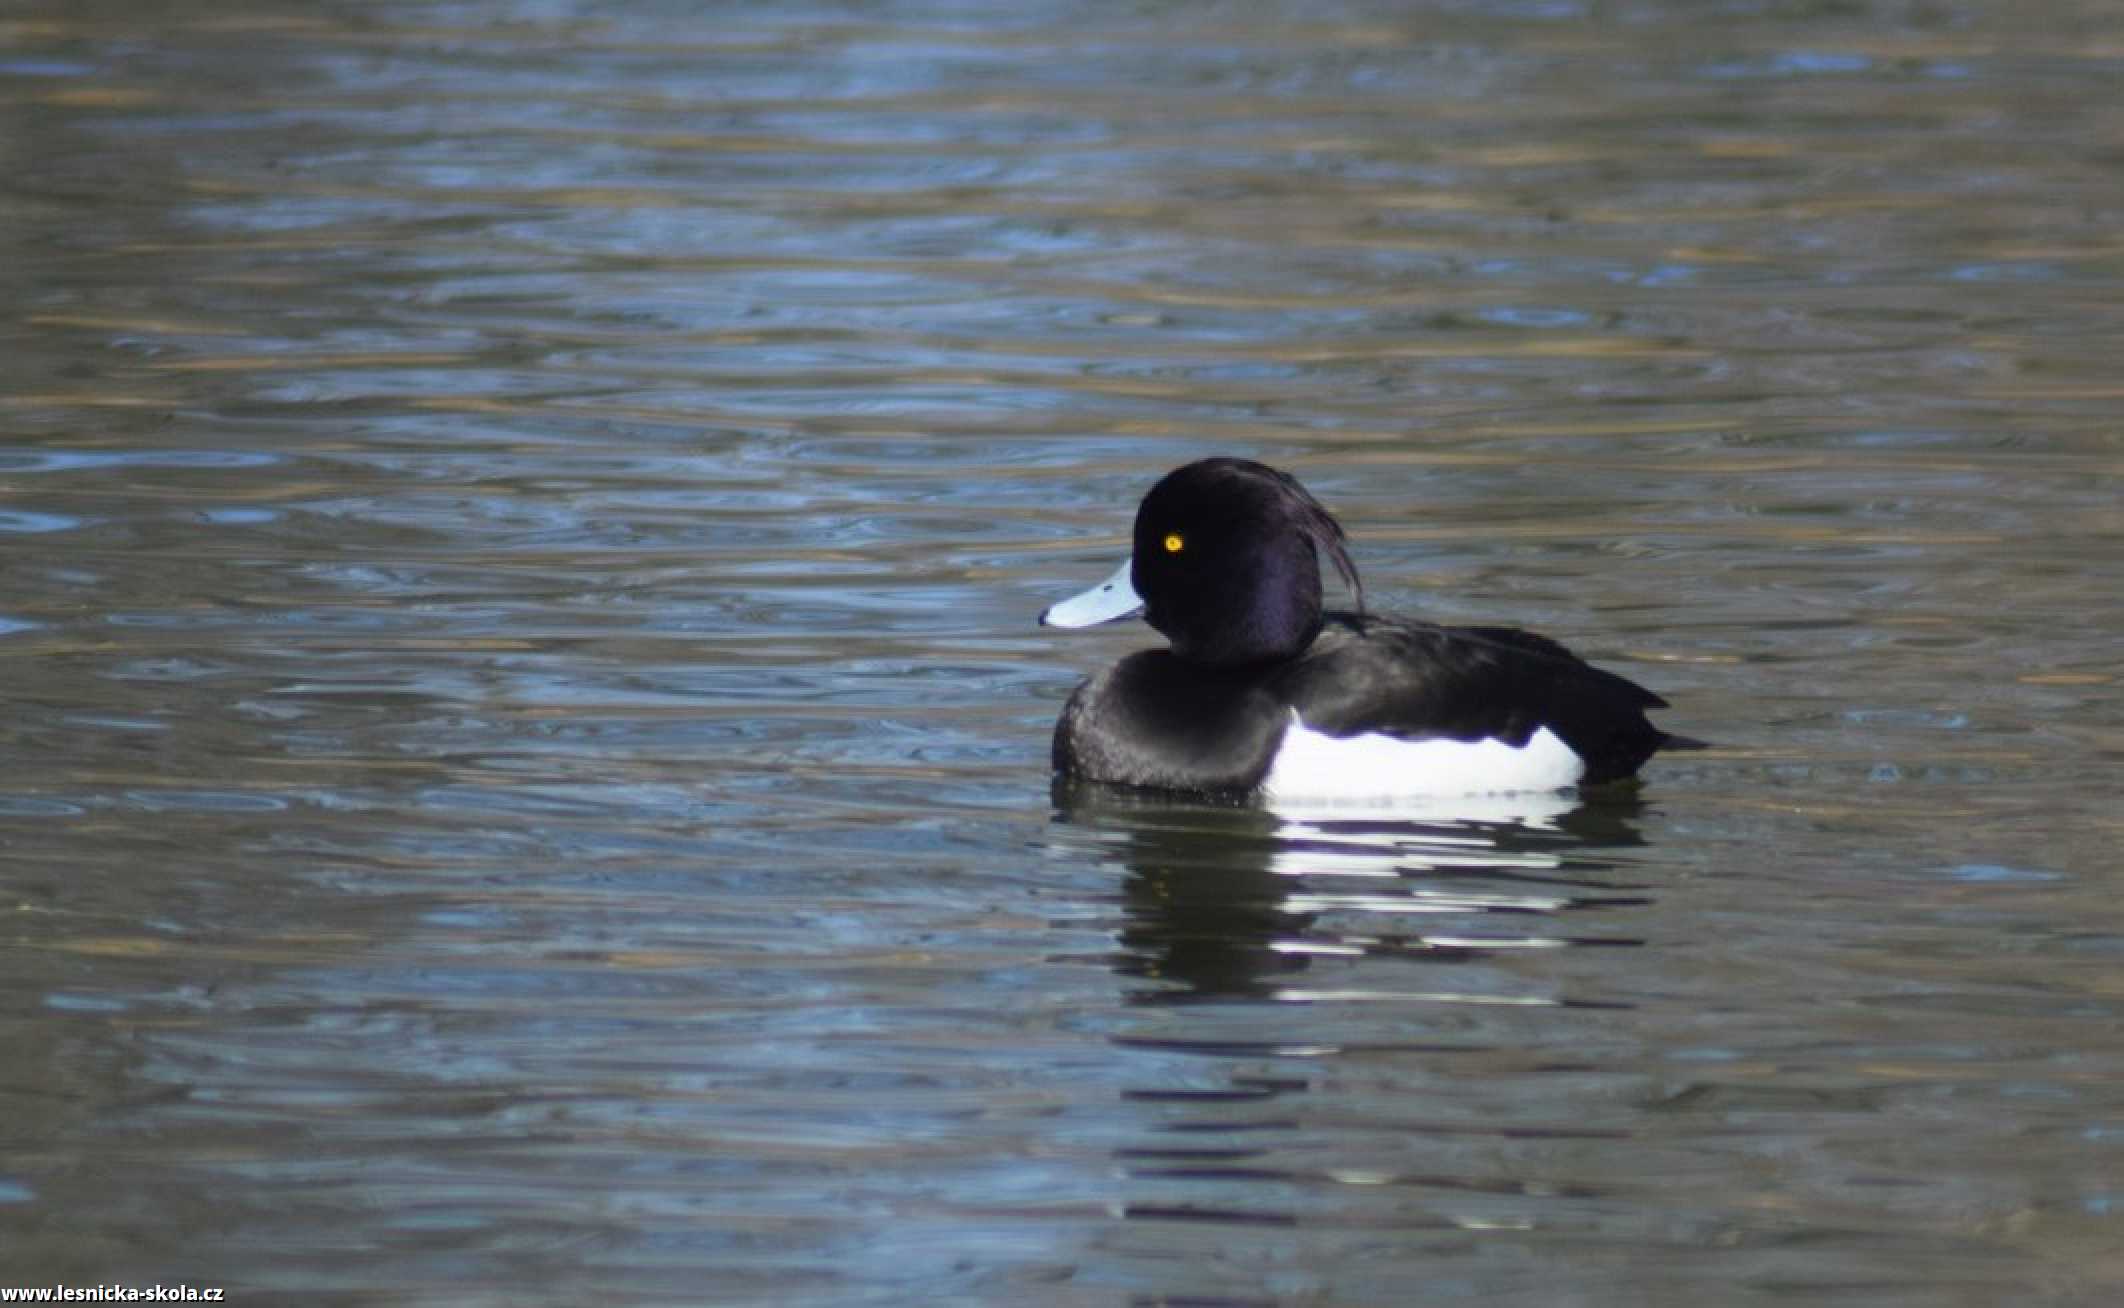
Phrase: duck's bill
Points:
(1110, 599)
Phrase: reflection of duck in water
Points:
(1204, 908)
(1263, 694)
(1234, 901)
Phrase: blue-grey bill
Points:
(1110, 599)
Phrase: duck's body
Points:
(1373, 707)
(1262, 694)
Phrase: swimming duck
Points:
(1264, 694)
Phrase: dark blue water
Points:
(524, 768)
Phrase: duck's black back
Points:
(1418, 681)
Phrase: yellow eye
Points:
(1173, 543)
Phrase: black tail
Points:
(1668, 740)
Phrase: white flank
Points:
(1369, 768)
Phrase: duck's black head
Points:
(1226, 563)
(1227, 560)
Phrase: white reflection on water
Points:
(1227, 901)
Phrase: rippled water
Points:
(525, 742)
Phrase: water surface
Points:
(525, 764)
